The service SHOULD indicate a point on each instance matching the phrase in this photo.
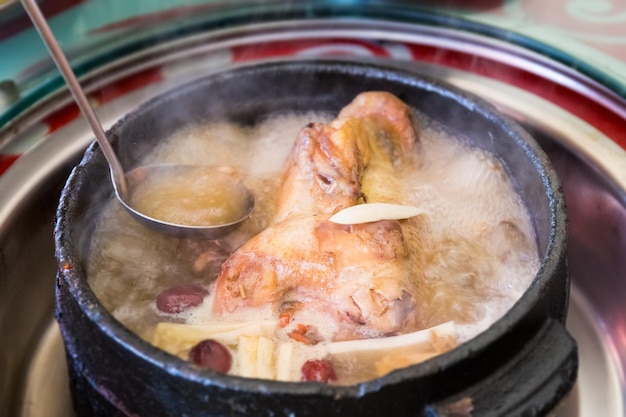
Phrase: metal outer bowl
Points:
(524, 364)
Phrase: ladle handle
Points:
(117, 173)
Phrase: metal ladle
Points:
(126, 185)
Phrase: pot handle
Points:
(530, 384)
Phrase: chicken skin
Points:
(358, 275)
(324, 171)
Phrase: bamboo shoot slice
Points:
(265, 363)
(376, 357)
(247, 353)
(420, 338)
(284, 358)
(176, 338)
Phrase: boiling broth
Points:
(476, 249)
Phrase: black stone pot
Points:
(522, 365)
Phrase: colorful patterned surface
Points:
(592, 31)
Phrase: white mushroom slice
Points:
(373, 212)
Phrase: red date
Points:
(319, 370)
(180, 298)
(211, 354)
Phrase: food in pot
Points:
(378, 240)
(198, 196)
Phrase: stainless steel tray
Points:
(592, 168)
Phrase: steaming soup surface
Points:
(475, 256)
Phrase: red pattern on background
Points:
(127, 85)
(603, 119)
(6, 161)
(289, 48)
(61, 117)
(106, 94)
(467, 5)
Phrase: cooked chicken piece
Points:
(359, 275)
(324, 171)
(395, 119)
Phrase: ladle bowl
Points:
(233, 197)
